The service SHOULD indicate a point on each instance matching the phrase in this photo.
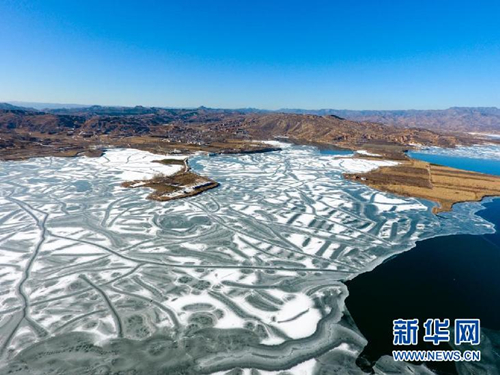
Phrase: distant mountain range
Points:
(10, 107)
(42, 106)
(464, 119)
(467, 119)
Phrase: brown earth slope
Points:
(464, 119)
(332, 130)
(203, 127)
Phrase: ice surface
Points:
(248, 275)
(488, 151)
(133, 164)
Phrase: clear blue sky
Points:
(394, 54)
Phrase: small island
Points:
(181, 184)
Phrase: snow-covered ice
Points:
(257, 264)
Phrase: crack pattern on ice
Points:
(246, 275)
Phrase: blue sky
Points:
(395, 54)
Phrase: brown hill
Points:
(212, 130)
(332, 130)
(464, 119)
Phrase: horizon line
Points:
(82, 106)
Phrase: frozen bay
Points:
(248, 275)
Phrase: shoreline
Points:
(443, 185)
(95, 147)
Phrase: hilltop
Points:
(465, 119)
(461, 119)
(27, 132)
(10, 107)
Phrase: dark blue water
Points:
(445, 277)
(470, 164)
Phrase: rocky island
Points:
(180, 184)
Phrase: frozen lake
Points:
(248, 275)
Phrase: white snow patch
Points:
(366, 153)
(135, 164)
